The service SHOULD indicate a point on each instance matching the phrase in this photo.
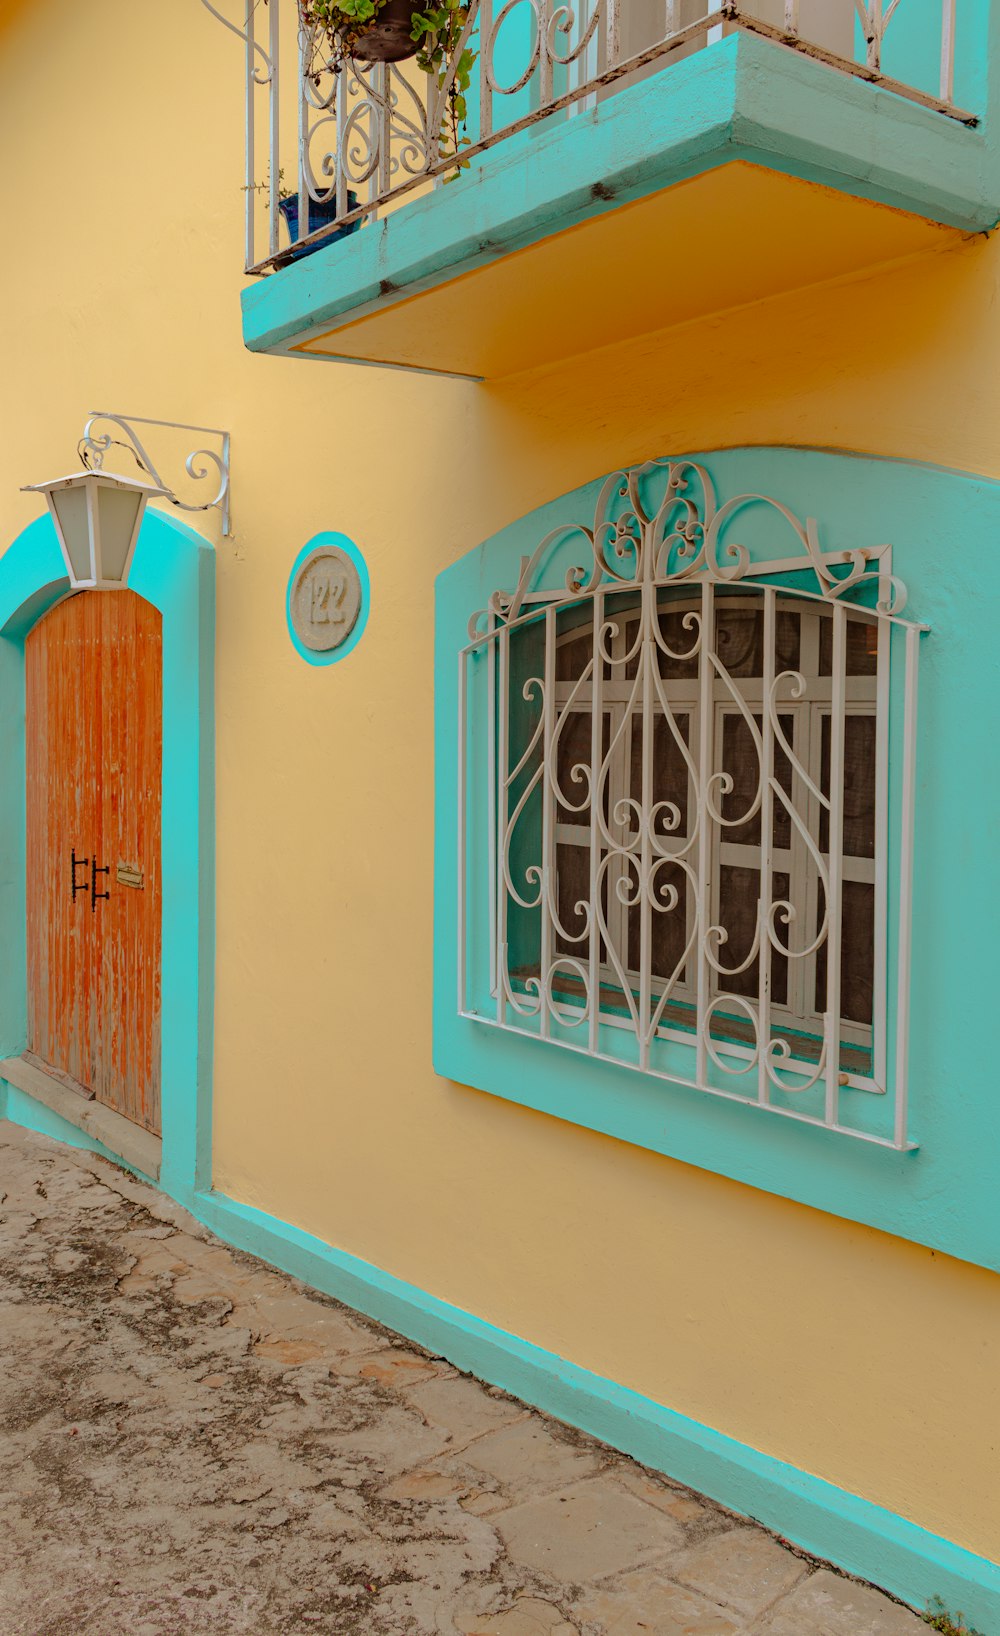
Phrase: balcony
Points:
(625, 166)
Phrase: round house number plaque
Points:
(324, 599)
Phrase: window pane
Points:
(572, 657)
(742, 762)
(677, 636)
(572, 888)
(739, 635)
(739, 640)
(739, 897)
(630, 629)
(610, 981)
(859, 786)
(621, 609)
(679, 639)
(668, 928)
(573, 750)
(787, 641)
(862, 646)
(670, 772)
(526, 662)
(857, 954)
(858, 951)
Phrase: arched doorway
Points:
(94, 748)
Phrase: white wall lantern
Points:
(97, 517)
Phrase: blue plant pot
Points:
(319, 215)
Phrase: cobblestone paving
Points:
(191, 1442)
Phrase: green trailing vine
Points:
(436, 32)
(948, 1624)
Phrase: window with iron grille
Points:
(695, 761)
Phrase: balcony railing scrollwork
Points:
(365, 135)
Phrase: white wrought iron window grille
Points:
(694, 764)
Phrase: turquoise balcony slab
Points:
(743, 170)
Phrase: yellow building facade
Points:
(836, 1350)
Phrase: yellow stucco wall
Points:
(853, 1355)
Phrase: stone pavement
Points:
(191, 1442)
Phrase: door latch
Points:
(79, 863)
(97, 869)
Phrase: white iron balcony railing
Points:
(364, 135)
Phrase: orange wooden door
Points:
(93, 681)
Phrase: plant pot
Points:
(319, 216)
(388, 39)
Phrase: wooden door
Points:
(93, 680)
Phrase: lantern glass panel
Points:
(117, 514)
(70, 507)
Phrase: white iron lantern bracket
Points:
(204, 463)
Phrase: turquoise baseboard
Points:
(858, 1536)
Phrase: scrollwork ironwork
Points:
(383, 129)
(648, 589)
(203, 464)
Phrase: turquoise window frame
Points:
(943, 1194)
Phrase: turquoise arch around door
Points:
(174, 569)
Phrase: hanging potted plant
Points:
(373, 31)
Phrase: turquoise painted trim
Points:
(174, 569)
(943, 1195)
(743, 98)
(860, 1537)
(352, 551)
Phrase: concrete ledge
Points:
(139, 1148)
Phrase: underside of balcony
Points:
(739, 173)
